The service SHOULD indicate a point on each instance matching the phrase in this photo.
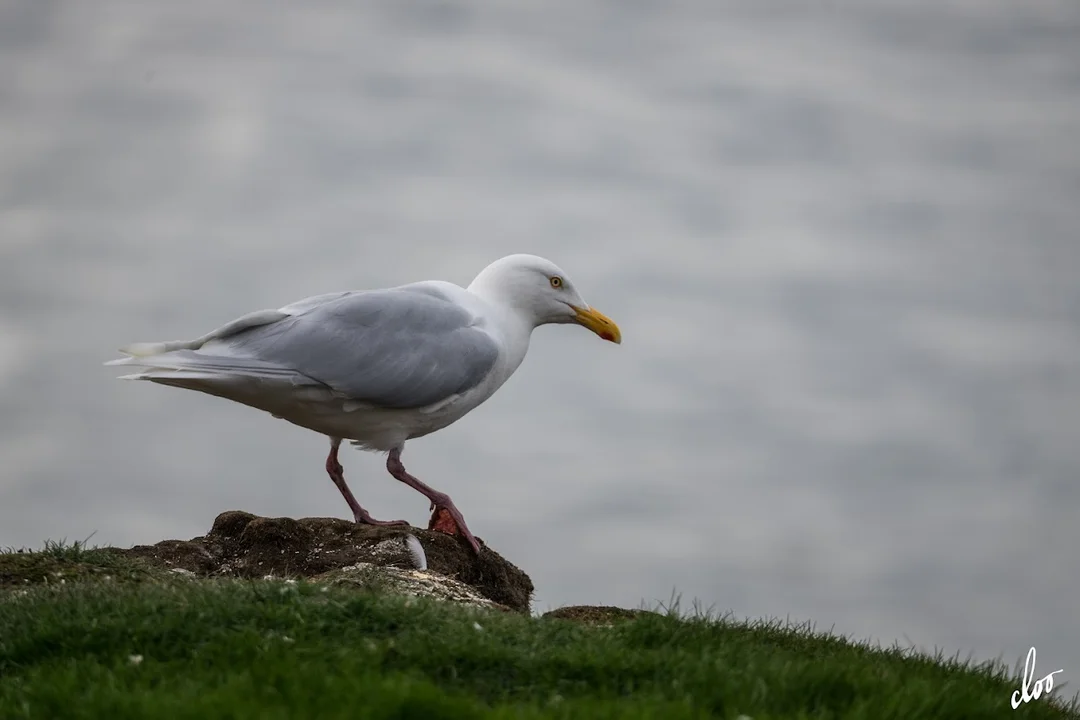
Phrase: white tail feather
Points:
(148, 349)
(186, 364)
(158, 375)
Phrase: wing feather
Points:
(395, 348)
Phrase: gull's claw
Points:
(364, 518)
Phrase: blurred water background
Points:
(842, 243)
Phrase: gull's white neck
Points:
(510, 321)
(492, 286)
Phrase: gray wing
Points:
(396, 348)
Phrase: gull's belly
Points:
(373, 428)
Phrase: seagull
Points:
(379, 367)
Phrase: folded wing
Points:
(396, 348)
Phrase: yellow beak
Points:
(599, 323)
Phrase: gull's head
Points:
(542, 292)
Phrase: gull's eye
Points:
(556, 282)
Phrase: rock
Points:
(596, 614)
(244, 545)
(408, 582)
(177, 554)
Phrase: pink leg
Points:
(337, 474)
(441, 501)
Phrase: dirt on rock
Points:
(244, 545)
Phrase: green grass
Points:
(171, 647)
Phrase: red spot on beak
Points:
(608, 336)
